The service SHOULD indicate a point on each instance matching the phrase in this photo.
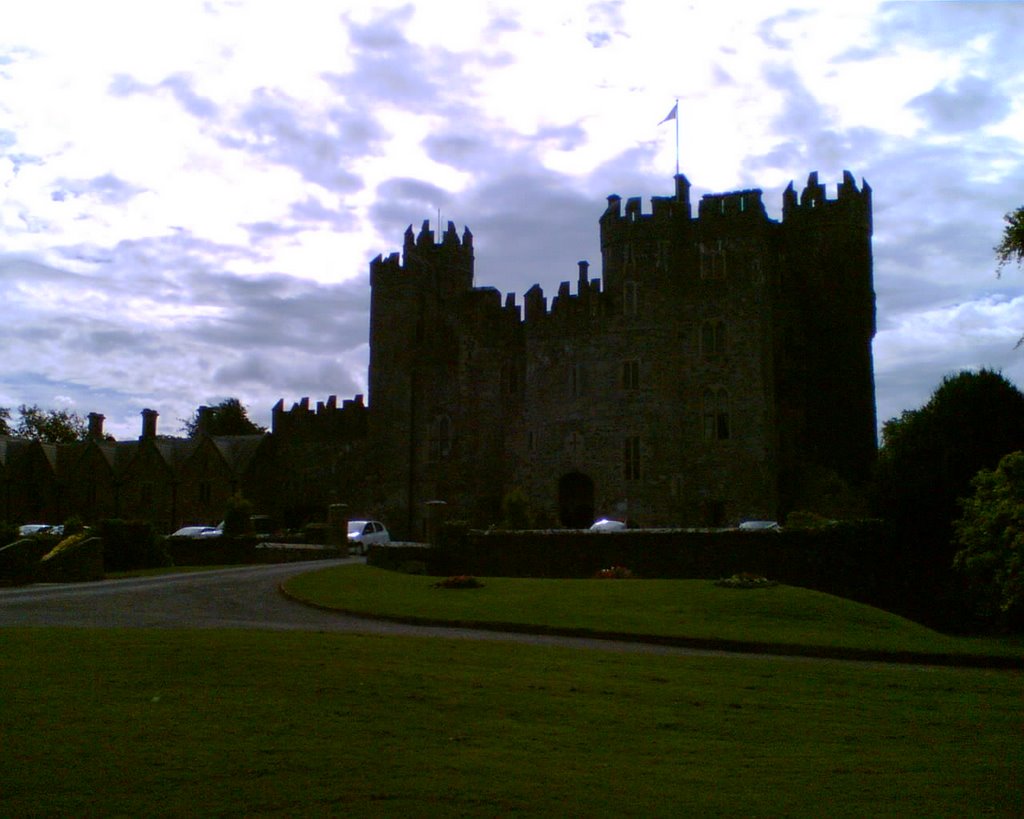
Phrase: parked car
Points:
(365, 533)
(607, 525)
(195, 532)
(29, 529)
(760, 526)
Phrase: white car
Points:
(195, 532)
(365, 533)
(760, 526)
(29, 529)
(606, 525)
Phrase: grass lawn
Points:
(672, 608)
(148, 722)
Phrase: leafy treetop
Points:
(1011, 246)
(49, 426)
(229, 417)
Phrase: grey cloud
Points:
(384, 32)
(180, 85)
(260, 231)
(965, 106)
(769, 31)
(108, 189)
(456, 149)
(310, 210)
(400, 202)
(276, 128)
(124, 85)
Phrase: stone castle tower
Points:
(720, 362)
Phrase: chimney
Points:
(149, 417)
(96, 426)
(584, 280)
(202, 421)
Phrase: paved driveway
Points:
(244, 598)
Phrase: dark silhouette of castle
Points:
(720, 370)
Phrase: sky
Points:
(192, 191)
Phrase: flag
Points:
(671, 114)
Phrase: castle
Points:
(718, 369)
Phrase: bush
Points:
(991, 536)
(237, 516)
(18, 560)
(129, 545)
(8, 533)
(515, 510)
(74, 559)
(315, 533)
(73, 525)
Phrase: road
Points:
(242, 598)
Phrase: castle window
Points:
(574, 442)
(712, 260)
(576, 380)
(716, 414)
(631, 458)
(531, 441)
(712, 338)
(664, 253)
(629, 298)
(631, 375)
(205, 492)
(440, 438)
(510, 379)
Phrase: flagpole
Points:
(677, 135)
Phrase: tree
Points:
(1011, 246)
(5, 421)
(926, 463)
(49, 426)
(991, 536)
(229, 417)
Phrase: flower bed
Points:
(746, 580)
(459, 581)
(614, 573)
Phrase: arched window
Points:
(630, 298)
(712, 338)
(440, 438)
(716, 414)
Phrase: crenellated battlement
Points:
(744, 203)
(348, 420)
(850, 202)
(421, 254)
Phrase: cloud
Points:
(967, 105)
(282, 131)
(108, 189)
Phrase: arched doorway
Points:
(576, 500)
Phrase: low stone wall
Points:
(232, 551)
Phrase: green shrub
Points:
(801, 519)
(73, 525)
(74, 559)
(129, 545)
(8, 533)
(237, 516)
(18, 560)
(65, 546)
(315, 533)
(515, 510)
